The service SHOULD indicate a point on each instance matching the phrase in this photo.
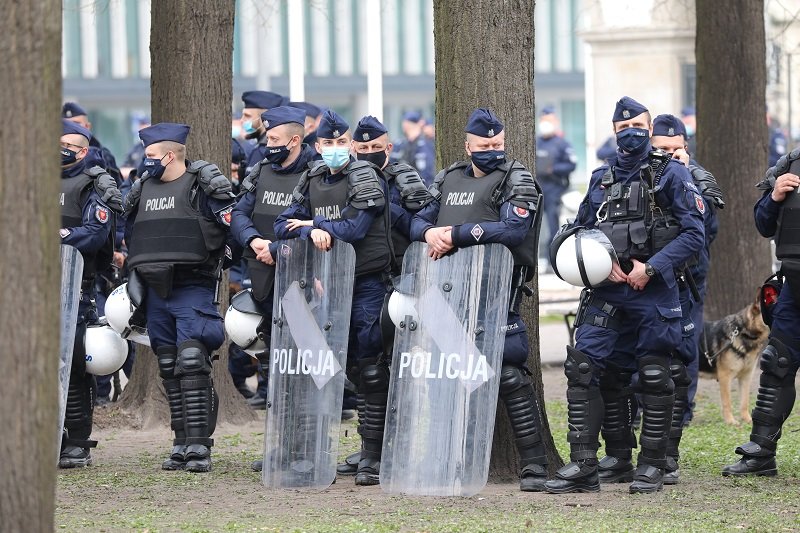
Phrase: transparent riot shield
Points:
(445, 372)
(71, 273)
(308, 356)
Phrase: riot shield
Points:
(71, 273)
(308, 357)
(445, 372)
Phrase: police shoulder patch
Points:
(521, 212)
(225, 215)
(699, 203)
(477, 232)
(101, 214)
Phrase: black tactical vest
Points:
(329, 201)
(469, 199)
(170, 230)
(273, 196)
(74, 193)
(787, 237)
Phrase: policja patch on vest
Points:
(101, 214)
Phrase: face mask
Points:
(154, 167)
(689, 130)
(249, 130)
(68, 156)
(632, 140)
(376, 158)
(277, 154)
(236, 131)
(335, 158)
(488, 160)
(546, 128)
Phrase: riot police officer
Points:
(255, 103)
(407, 195)
(500, 206)
(416, 149)
(98, 155)
(89, 197)
(341, 198)
(650, 211)
(177, 219)
(776, 215)
(267, 192)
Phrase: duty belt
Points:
(612, 319)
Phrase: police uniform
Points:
(266, 193)
(98, 155)
(86, 223)
(498, 207)
(262, 100)
(351, 206)
(651, 211)
(176, 234)
(781, 358)
(419, 152)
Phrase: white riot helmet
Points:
(400, 307)
(583, 257)
(242, 322)
(106, 351)
(120, 307)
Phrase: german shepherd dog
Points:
(730, 348)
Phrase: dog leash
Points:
(713, 357)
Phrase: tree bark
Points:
(191, 50)
(484, 58)
(30, 37)
(732, 143)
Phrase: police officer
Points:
(416, 149)
(776, 215)
(648, 208)
(407, 195)
(555, 161)
(313, 116)
(267, 192)
(177, 219)
(88, 195)
(506, 218)
(341, 198)
(98, 155)
(255, 103)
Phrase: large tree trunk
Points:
(480, 63)
(191, 50)
(30, 38)
(732, 143)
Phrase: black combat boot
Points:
(776, 394)
(682, 380)
(617, 431)
(375, 386)
(585, 406)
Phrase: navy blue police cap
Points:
(484, 123)
(369, 128)
(263, 99)
(688, 111)
(164, 131)
(412, 116)
(627, 108)
(72, 109)
(331, 126)
(285, 114)
(238, 154)
(310, 109)
(668, 126)
(548, 110)
(70, 128)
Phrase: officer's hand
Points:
(265, 256)
(681, 155)
(119, 259)
(617, 275)
(437, 242)
(296, 223)
(638, 278)
(321, 239)
(785, 184)
(258, 244)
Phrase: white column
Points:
(88, 19)
(374, 59)
(144, 38)
(297, 51)
(119, 39)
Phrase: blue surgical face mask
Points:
(236, 131)
(689, 130)
(250, 131)
(154, 167)
(336, 157)
(488, 160)
(633, 140)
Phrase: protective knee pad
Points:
(578, 368)
(585, 417)
(373, 378)
(193, 359)
(776, 394)
(682, 380)
(198, 397)
(523, 412)
(654, 376)
(167, 355)
(656, 422)
(620, 409)
(172, 387)
(375, 388)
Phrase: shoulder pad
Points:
(251, 180)
(458, 164)
(95, 171)
(316, 168)
(365, 189)
(132, 198)
(106, 188)
(211, 179)
(521, 189)
(707, 185)
(299, 193)
(393, 169)
(412, 189)
(356, 165)
(435, 189)
(768, 183)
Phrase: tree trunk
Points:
(481, 63)
(732, 143)
(191, 50)
(30, 37)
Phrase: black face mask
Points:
(376, 158)
(277, 154)
(68, 156)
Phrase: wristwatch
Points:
(649, 270)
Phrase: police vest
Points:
(170, 229)
(633, 221)
(329, 200)
(468, 199)
(74, 194)
(787, 237)
(273, 196)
